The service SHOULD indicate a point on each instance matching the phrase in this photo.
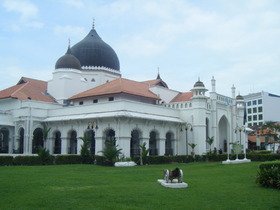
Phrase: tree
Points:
(85, 152)
(44, 155)
(144, 153)
(111, 152)
(272, 128)
(192, 146)
(210, 141)
(46, 131)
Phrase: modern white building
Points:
(88, 94)
(262, 107)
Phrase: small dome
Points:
(92, 51)
(68, 61)
(240, 98)
(199, 84)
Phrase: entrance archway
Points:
(223, 133)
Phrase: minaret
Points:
(199, 108)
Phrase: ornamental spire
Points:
(92, 23)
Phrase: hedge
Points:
(27, 160)
(269, 174)
(100, 160)
(68, 159)
(6, 160)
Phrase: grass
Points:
(211, 186)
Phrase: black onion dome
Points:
(199, 84)
(239, 97)
(93, 51)
(68, 61)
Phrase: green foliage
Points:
(101, 160)
(210, 141)
(111, 152)
(85, 150)
(6, 160)
(269, 175)
(192, 146)
(44, 155)
(46, 131)
(68, 159)
(27, 160)
(144, 154)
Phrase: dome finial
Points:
(68, 49)
(93, 23)
(158, 75)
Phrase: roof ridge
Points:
(23, 85)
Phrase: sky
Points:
(236, 42)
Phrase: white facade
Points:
(166, 125)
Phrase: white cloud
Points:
(27, 11)
(24, 8)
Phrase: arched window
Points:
(91, 135)
(4, 140)
(134, 143)
(168, 143)
(57, 142)
(37, 140)
(73, 142)
(21, 140)
(153, 143)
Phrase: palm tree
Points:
(210, 141)
(192, 146)
(144, 153)
(46, 131)
(85, 152)
(110, 152)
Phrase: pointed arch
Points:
(223, 131)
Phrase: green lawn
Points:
(211, 186)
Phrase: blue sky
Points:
(237, 41)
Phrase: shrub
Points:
(269, 175)
(68, 159)
(111, 152)
(6, 160)
(45, 157)
(86, 156)
(27, 160)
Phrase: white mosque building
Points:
(88, 94)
